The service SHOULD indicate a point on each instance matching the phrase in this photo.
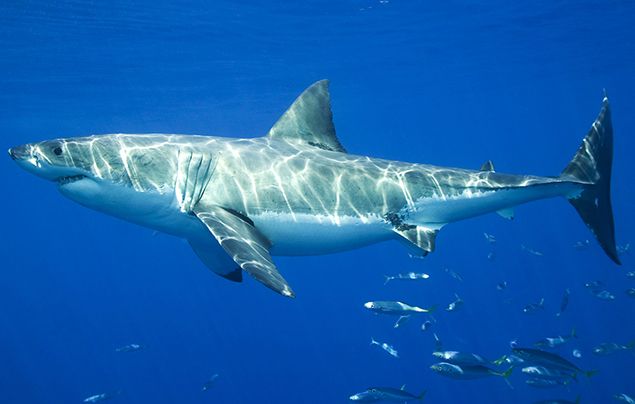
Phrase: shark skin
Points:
(296, 191)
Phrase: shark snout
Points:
(18, 152)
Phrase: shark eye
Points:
(57, 151)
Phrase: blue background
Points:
(448, 83)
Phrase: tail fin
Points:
(422, 395)
(574, 334)
(505, 375)
(388, 279)
(591, 166)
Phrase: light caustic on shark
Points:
(296, 191)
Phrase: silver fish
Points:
(386, 394)
(409, 276)
(386, 347)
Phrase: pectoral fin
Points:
(245, 245)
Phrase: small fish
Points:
(401, 321)
(547, 383)
(389, 394)
(129, 348)
(467, 372)
(564, 302)
(630, 292)
(511, 359)
(577, 401)
(453, 274)
(593, 285)
(490, 239)
(394, 308)
(552, 342)
(630, 274)
(455, 305)
(101, 397)
(582, 245)
(460, 358)
(607, 348)
(624, 249)
(534, 307)
(576, 353)
(409, 276)
(438, 344)
(502, 285)
(531, 251)
(426, 325)
(541, 372)
(210, 382)
(386, 347)
(625, 398)
(533, 356)
(491, 256)
(603, 294)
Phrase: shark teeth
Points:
(69, 179)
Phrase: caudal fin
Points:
(591, 166)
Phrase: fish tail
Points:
(372, 341)
(631, 345)
(590, 373)
(591, 168)
(573, 333)
(431, 309)
(388, 279)
(505, 375)
(422, 395)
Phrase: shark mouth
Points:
(69, 179)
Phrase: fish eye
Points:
(57, 150)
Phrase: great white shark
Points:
(296, 191)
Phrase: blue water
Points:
(447, 83)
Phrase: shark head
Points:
(105, 172)
(51, 160)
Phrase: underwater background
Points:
(450, 83)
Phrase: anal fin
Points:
(507, 213)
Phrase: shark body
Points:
(296, 191)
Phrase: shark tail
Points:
(591, 167)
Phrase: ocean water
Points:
(449, 83)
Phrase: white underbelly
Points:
(439, 210)
(306, 234)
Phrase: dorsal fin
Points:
(309, 120)
(487, 166)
